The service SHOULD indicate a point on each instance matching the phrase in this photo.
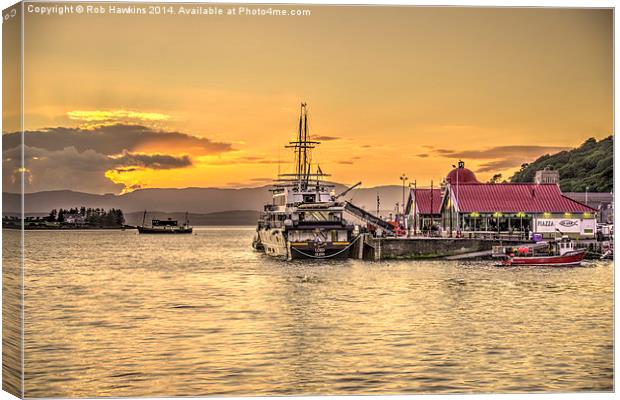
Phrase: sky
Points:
(114, 103)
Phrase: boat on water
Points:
(167, 226)
(556, 253)
(305, 217)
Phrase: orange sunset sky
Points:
(115, 103)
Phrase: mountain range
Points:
(193, 200)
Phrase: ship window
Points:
(335, 216)
(279, 200)
(309, 198)
(314, 216)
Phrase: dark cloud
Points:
(82, 171)
(326, 138)
(422, 155)
(345, 162)
(494, 166)
(152, 161)
(501, 152)
(113, 139)
(501, 157)
(91, 160)
(249, 160)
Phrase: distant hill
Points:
(591, 165)
(193, 200)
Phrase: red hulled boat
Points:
(554, 254)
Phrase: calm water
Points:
(118, 314)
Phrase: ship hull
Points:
(273, 242)
(307, 251)
(164, 231)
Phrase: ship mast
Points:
(303, 147)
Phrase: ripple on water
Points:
(205, 315)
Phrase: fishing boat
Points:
(168, 226)
(305, 217)
(557, 253)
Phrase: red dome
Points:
(464, 176)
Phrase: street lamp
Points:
(404, 178)
(460, 165)
(587, 187)
(414, 203)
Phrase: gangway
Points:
(368, 217)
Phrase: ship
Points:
(305, 219)
(167, 226)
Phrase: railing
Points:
(489, 235)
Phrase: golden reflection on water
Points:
(119, 314)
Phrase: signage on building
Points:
(565, 225)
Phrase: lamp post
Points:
(414, 204)
(587, 187)
(457, 167)
(432, 209)
(404, 178)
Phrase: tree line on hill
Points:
(70, 218)
(88, 216)
(590, 166)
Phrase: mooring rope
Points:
(329, 256)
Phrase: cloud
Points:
(113, 139)
(501, 152)
(349, 161)
(88, 171)
(135, 161)
(106, 159)
(246, 160)
(501, 157)
(422, 155)
(326, 138)
(498, 165)
(107, 117)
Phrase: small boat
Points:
(560, 253)
(169, 226)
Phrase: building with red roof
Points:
(514, 207)
(424, 205)
(463, 206)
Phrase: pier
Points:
(369, 247)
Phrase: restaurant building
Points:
(471, 208)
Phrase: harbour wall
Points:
(371, 248)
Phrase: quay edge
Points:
(424, 248)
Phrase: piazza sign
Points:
(565, 225)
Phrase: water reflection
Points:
(118, 314)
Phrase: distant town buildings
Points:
(76, 219)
